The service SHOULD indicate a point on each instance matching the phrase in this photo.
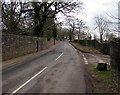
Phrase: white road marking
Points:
(59, 56)
(100, 61)
(27, 81)
(86, 62)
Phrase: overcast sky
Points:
(99, 7)
(93, 8)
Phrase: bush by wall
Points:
(16, 45)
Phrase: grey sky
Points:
(93, 8)
(97, 7)
(100, 7)
(106, 8)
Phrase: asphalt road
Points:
(60, 70)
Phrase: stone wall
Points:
(115, 54)
(16, 45)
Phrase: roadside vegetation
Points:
(101, 81)
(84, 48)
(108, 78)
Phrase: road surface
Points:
(60, 70)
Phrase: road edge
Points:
(16, 61)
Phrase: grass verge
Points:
(84, 48)
(107, 77)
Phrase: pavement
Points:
(59, 70)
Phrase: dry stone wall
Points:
(16, 45)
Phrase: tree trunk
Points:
(54, 41)
(78, 37)
(70, 38)
(101, 38)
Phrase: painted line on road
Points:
(59, 56)
(86, 62)
(100, 60)
(28, 81)
(85, 59)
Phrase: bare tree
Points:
(71, 31)
(102, 25)
(80, 26)
(95, 37)
(110, 36)
(115, 23)
(76, 27)
(72, 27)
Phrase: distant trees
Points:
(63, 33)
(77, 28)
(102, 25)
(72, 26)
(110, 36)
(80, 26)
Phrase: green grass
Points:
(108, 77)
(84, 48)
